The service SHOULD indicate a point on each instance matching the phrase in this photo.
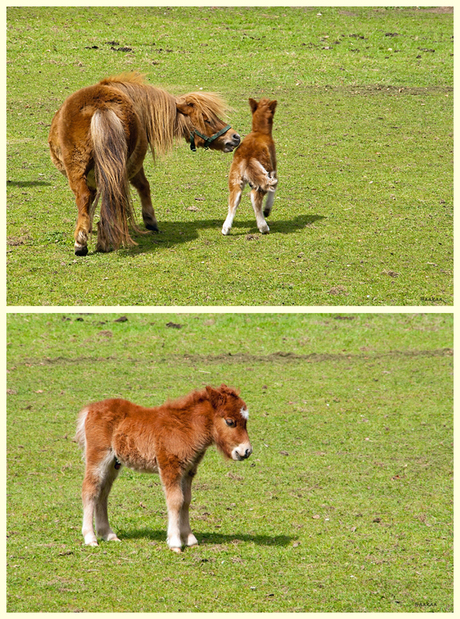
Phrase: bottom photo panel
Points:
(229, 462)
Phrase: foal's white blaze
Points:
(244, 413)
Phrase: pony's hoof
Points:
(152, 227)
(267, 213)
(176, 549)
(81, 250)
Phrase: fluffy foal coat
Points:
(170, 440)
(100, 136)
(254, 162)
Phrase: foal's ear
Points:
(253, 104)
(214, 396)
(272, 106)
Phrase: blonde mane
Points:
(157, 110)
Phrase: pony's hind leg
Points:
(257, 196)
(140, 182)
(84, 197)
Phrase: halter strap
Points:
(207, 140)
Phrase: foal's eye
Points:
(230, 423)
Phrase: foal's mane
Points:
(191, 399)
(199, 395)
(157, 110)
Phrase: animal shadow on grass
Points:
(208, 539)
(28, 184)
(176, 233)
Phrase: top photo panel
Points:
(229, 156)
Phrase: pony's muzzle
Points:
(232, 142)
(242, 451)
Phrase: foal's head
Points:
(262, 114)
(203, 110)
(230, 417)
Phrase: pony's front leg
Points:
(234, 199)
(140, 182)
(257, 197)
(186, 534)
(84, 198)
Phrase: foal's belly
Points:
(128, 453)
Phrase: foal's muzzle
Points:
(242, 452)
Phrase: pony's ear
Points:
(272, 106)
(253, 104)
(184, 107)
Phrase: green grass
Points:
(364, 135)
(346, 504)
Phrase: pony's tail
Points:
(110, 150)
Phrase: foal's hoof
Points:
(177, 550)
(113, 538)
(152, 227)
(81, 250)
(92, 543)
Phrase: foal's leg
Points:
(234, 199)
(269, 202)
(257, 196)
(186, 534)
(140, 182)
(101, 516)
(172, 484)
(88, 495)
(94, 496)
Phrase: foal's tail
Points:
(80, 435)
(110, 150)
(259, 178)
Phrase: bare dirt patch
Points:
(245, 358)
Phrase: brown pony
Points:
(254, 162)
(170, 440)
(99, 138)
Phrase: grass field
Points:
(345, 505)
(364, 135)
